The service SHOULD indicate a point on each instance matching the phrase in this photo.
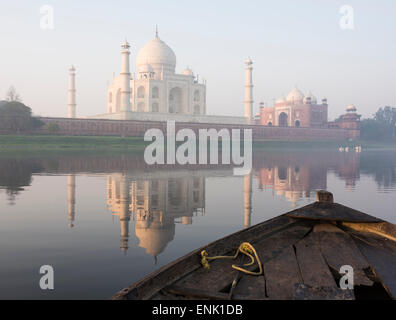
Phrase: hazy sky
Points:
(290, 42)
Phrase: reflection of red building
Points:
(298, 175)
(292, 182)
(349, 169)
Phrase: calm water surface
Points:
(104, 222)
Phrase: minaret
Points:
(249, 91)
(247, 199)
(71, 198)
(72, 93)
(125, 78)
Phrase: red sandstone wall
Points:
(93, 127)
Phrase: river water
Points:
(103, 221)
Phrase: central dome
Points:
(295, 95)
(158, 55)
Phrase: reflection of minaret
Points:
(247, 199)
(125, 216)
(71, 198)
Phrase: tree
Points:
(53, 127)
(381, 127)
(12, 95)
(16, 117)
(15, 174)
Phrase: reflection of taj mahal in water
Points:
(156, 205)
(156, 202)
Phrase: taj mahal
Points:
(157, 93)
(157, 88)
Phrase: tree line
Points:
(382, 127)
(15, 117)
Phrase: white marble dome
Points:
(158, 55)
(313, 98)
(188, 72)
(145, 68)
(295, 95)
(351, 108)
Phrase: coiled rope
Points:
(245, 248)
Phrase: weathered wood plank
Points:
(313, 267)
(385, 229)
(191, 293)
(382, 259)
(251, 286)
(174, 271)
(219, 276)
(268, 249)
(375, 240)
(282, 274)
(272, 246)
(304, 292)
(331, 212)
(339, 249)
(221, 273)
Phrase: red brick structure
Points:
(294, 111)
(132, 128)
(299, 111)
(349, 121)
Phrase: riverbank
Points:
(322, 145)
(40, 143)
(69, 143)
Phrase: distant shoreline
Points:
(28, 143)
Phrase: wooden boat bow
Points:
(302, 253)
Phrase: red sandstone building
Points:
(297, 110)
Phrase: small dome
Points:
(157, 54)
(295, 95)
(280, 100)
(188, 72)
(146, 68)
(313, 98)
(351, 108)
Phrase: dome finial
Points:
(156, 31)
(125, 45)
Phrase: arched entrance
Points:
(283, 120)
(176, 100)
(282, 173)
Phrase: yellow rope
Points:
(246, 248)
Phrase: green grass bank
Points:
(132, 144)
